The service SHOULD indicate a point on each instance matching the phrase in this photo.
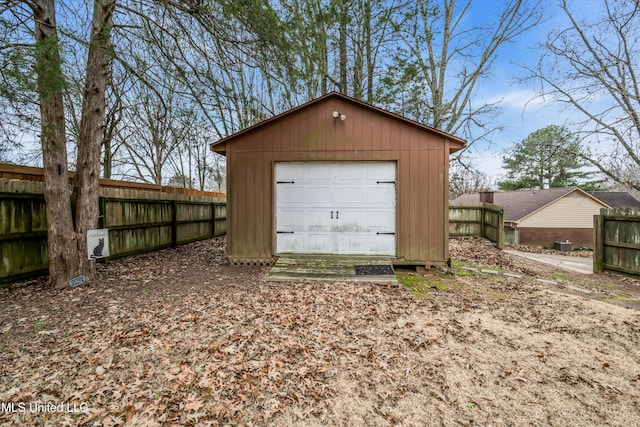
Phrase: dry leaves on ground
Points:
(179, 337)
(482, 252)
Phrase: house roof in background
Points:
(616, 199)
(519, 204)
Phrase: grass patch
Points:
(415, 284)
(420, 286)
(457, 264)
(563, 276)
(620, 298)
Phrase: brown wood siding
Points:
(312, 134)
(445, 197)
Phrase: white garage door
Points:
(336, 208)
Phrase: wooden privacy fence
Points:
(617, 241)
(478, 219)
(138, 221)
(139, 225)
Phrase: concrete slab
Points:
(327, 268)
(571, 263)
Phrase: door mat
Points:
(374, 270)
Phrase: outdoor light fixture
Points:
(337, 114)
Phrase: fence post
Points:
(598, 243)
(174, 223)
(500, 216)
(213, 219)
(102, 212)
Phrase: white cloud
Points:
(489, 162)
(519, 99)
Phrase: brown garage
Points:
(338, 176)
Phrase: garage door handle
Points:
(385, 182)
(331, 214)
(284, 232)
(337, 217)
(285, 182)
(390, 233)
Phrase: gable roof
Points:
(616, 199)
(519, 204)
(456, 143)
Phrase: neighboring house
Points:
(542, 217)
(616, 199)
(338, 176)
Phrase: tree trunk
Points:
(62, 245)
(98, 72)
(342, 42)
(107, 163)
(368, 50)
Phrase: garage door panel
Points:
(319, 172)
(354, 241)
(370, 244)
(320, 243)
(381, 221)
(289, 243)
(352, 196)
(318, 195)
(351, 172)
(292, 220)
(318, 220)
(293, 171)
(350, 221)
(384, 196)
(381, 171)
(379, 245)
(291, 196)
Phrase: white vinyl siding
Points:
(572, 211)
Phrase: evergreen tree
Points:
(549, 157)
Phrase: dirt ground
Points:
(179, 337)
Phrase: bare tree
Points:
(371, 40)
(153, 129)
(444, 57)
(592, 67)
(465, 180)
(193, 159)
(218, 172)
(113, 120)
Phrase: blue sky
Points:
(521, 112)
